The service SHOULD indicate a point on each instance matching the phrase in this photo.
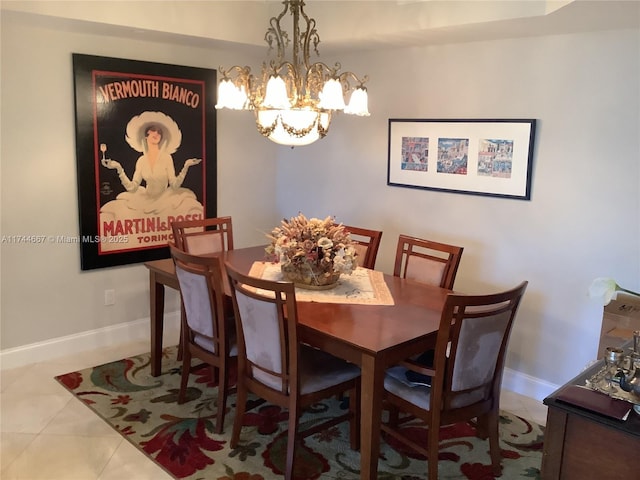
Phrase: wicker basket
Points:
(309, 276)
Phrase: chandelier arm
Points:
(322, 67)
(345, 76)
(275, 33)
(241, 71)
(308, 37)
(278, 68)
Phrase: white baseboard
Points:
(83, 342)
(139, 330)
(527, 385)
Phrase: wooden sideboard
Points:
(583, 445)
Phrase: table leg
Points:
(371, 410)
(156, 319)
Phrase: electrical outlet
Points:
(109, 297)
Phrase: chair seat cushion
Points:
(320, 370)
(396, 382)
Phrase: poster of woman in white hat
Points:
(162, 198)
(146, 155)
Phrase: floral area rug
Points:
(180, 438)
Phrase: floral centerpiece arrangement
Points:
(606, 289)
(313, 253)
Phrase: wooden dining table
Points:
(162, 273)
(373, 337)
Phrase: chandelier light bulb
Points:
(331, 96)
(358, 105)
(276, 94)
(227, 95)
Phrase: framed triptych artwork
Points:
(479, 157)
(145, 154)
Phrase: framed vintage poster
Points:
(145, 153)
(479, 157)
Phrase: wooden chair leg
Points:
(354, 422)
(492, 423)
(184, 378)
(222, 396)
(434, 450)
(294, 415)
(181, 343)
(241, 405)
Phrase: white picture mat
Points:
(520, 132)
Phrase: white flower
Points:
(343, 262)
(325, 243)
(605, 289)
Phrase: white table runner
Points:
(363, 286)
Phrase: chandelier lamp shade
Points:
(293, 99)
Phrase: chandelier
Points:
(293, 99)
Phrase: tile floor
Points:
(47, 434)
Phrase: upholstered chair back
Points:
(200, 306)
(200, 237)
(479, 344)
(426, 261)
(267, 331)
(264, 333)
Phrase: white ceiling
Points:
(342, 25)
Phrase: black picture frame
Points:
(490, 157)
(116, 101)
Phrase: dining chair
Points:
(274, 365)
(201, 236)
(205, 332)
(367, 243)
(464, 383)
(427, 261)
